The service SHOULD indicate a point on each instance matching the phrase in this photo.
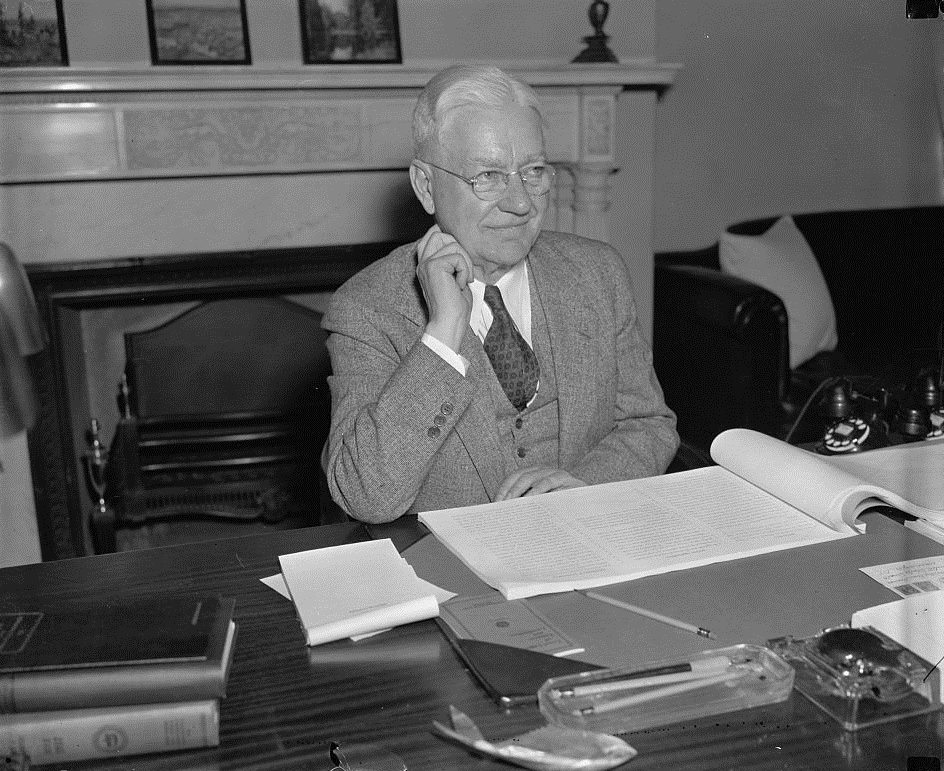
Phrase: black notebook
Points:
(510, 675)
(104, 634)
(173, 648)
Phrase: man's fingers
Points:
(445, 253)
(422, 246)
(436, 246)
(519, 482)
(535, 480)
(559, 480)
(511, 479)
(433, 242)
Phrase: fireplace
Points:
(90, 309)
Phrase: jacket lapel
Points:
(477, 429)
(409, 303)
(570, 321)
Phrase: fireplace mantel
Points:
(641, 74)
(125, 125)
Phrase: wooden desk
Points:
(286, 702)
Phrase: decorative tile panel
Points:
(597, 116)
(245, 137)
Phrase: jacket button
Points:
(446, 408)
(432, 431)
(439, 420)
(519, 423)
(522, 452)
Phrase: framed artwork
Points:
(350, 31)
(198, 31)
(32, 34)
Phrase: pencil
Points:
(657, 693)
(695, 670)
(693, 628)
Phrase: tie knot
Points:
(493, 298)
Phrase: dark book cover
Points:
(131, 652)
(511, 676)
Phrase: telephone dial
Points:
(857, 420)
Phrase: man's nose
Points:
(516, 198)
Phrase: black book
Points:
(168, 649)
(510, 675)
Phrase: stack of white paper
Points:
(354, 590)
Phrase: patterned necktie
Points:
(514, 362)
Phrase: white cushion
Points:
(781, 261)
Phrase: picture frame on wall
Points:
(198, 32)
(350, 32)
(32, 34)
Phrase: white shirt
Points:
(516, 295)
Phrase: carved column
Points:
(595, 161)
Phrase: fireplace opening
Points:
(184, 397)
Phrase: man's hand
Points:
(535, 480)
(444, 270)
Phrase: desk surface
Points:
(287, 702)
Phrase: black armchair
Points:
(721, 344)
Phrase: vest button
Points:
(522, 452)
(519, 423)
(432, 431)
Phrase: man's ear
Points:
(422, 181)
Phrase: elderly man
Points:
(488, 360)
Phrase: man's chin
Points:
(514, 244)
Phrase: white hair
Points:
(465, 85)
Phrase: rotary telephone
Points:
(863, 419)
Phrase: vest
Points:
(531, 437)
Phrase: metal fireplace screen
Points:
(224, 411)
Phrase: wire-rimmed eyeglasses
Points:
(492, 184)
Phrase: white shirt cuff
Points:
(459, 362)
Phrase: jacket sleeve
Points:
(393, 403)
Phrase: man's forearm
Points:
(388, 426)
(640, 447)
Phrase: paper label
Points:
(492, 618)
(911, 576)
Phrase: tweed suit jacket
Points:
(409, 433)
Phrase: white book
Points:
(67, 736)
(764, 495)
(355, 589)
(909, 477)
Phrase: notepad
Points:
(355, 589)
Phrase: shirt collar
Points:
(516, 295)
